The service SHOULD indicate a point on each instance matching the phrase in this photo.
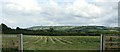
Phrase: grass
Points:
(61, 42)
(46, 43)
(57, 42)
(9, 42)
(52, 40)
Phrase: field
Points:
(9, 41)
(61, 42)
(58, 42)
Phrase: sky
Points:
(28, 13)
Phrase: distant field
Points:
(61, 42)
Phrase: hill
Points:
(61, 30)
(75, 28)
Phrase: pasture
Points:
(10, 41)
(61, 42)
(31, 42)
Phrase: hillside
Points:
(75, 28)
(61, 30)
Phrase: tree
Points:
(51, 30)
(4, 26)
(17, 28)
(5, 29)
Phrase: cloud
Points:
(21, 6)
(107, 0)
(25, 13)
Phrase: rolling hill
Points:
(75, 28)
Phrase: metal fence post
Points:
(20, 43)
(101, 43)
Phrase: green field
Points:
(9, 42)
(61, 42)
(58, 42)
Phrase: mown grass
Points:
(57, 42)
(61, 42)
(37, 43)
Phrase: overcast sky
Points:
(27, 13)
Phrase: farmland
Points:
(61, 42)
(31, 42)
(9, 42)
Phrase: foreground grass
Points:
(61, 42)
(57, 42)
(37, 43)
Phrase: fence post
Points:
(20, 48)
(102, 42)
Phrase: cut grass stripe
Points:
(45, 39)
(41, 37)
(59, 40)
(36, 38)
(64, 40)
(52, 40)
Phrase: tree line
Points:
(51, 32)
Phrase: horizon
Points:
(29, 13)
(48, 26)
